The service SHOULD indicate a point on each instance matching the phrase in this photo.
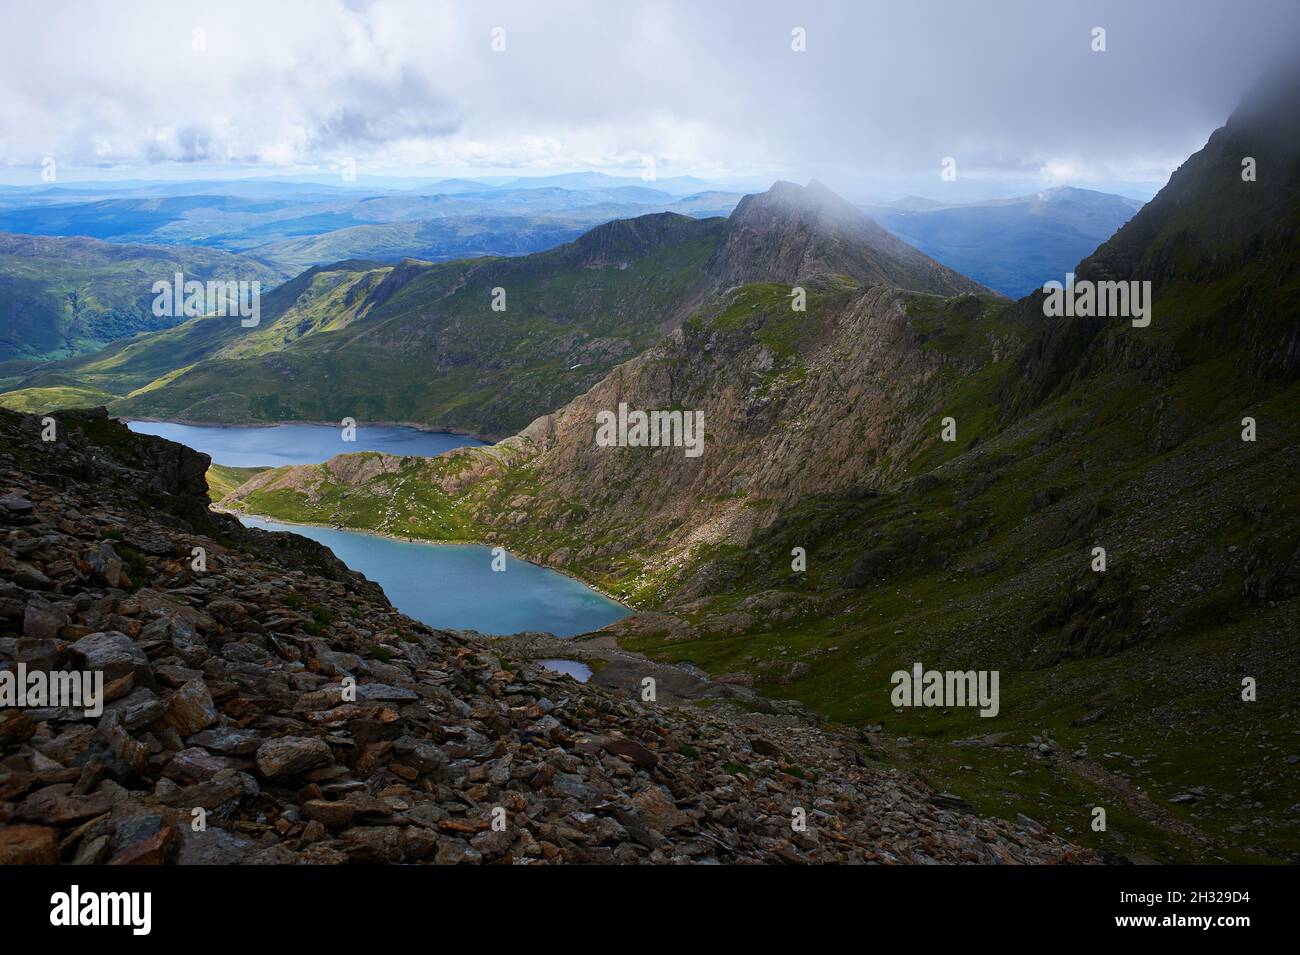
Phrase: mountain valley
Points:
(824, 434)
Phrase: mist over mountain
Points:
(789, 233)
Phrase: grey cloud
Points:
(188, 144)
(1010, 88)
(380, 112)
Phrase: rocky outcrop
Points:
(776, 429)
(272, 707)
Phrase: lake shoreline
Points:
(488, 440)
(423, 540)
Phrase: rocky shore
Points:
(271, 707)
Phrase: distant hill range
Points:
(1011, 245)
(422, 342)
(61, 300)
(79, 261)
(444, 219)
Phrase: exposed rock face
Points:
(229, 704)
(791, 233)
(771, 438)
(292, 756)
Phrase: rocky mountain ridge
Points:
(793, 404)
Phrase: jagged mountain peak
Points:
(814, 202)
(791, 233)
(1218, 245)
(1219, 205)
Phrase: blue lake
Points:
(251, 447)
(454, 585)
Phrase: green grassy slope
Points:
(421, 342)
(61, 297)
(147, 362)
(984, 562)
(222, 479)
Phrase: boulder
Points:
(191, 709)
(289, 756)
(28, 845)
(113, 652)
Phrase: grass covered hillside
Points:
(426, 345)
(61, 297)
(418, 341)
(148, 362)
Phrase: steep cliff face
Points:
(792, 404)
(791, 233)
(280, 698)
(127, 475)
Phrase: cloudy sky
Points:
(1011, 89)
